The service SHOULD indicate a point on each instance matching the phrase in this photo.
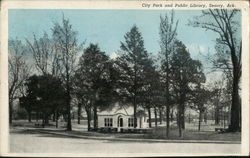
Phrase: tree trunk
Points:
(156, 121)
(179, 121)
(167, 90)
(43, 122)
(54, 117)
(79, 113)
(37, 115)
(88, 111)
(29, 116)
(167, 120)
(239, 115)
(149, 118)
(189, 118)
(199, 126)
(10, 112)
(140, 121)
(46, 119)
(172, 115)
(182, 116)
(205, 116)
(135, 111)
(69, 126)
(56, 113)
(235, 117)
(160, 114)
(95, 118)
(216, 115)
(177, 117)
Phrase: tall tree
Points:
(168, 27)
(66, 44)
(221, 97)
(225, 23)
(38, 95)
(217, 90)
(93, 80)
(131, 67)
(186, 74)
(152, 93)
(199, 100)
(45, 55)
(19, 71)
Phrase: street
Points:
(48, 143)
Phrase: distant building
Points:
(122, 118)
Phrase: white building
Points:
(121, 117)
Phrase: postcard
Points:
(124, 78)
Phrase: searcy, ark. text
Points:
(192, 5)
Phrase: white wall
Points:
(101, 123)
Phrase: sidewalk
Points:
(114, 138)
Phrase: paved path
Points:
(49, 143)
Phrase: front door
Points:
(120, 122)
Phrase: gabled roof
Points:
(118, 109)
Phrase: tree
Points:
(38, 96)
(152, 91)
(18, 71)
(130, 64)
(168, 28)
(45, 55)
(220, 97)
(29, 101)
(224, 23)
(199, 100)
(93, 80)
(66, 44)
(217, 90)
(186, 75)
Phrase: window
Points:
(108, 122)
(105, 122)
(130, 122)
(111, 122)
(121, 122)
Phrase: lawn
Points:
(190, 133)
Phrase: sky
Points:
(108, 27)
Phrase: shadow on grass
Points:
(23, 131)
(158, 133)
(41, 133)
(51, 135)
(106, 140)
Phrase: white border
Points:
(111, 4)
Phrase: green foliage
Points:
(43, 94)
(67, 47)
(131, 66)
(93, 81)
(225, 23)
(186, 73)
(200, 97)
(153, 89)
(186, 76)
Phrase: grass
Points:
(191, 133)
(160, 133)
